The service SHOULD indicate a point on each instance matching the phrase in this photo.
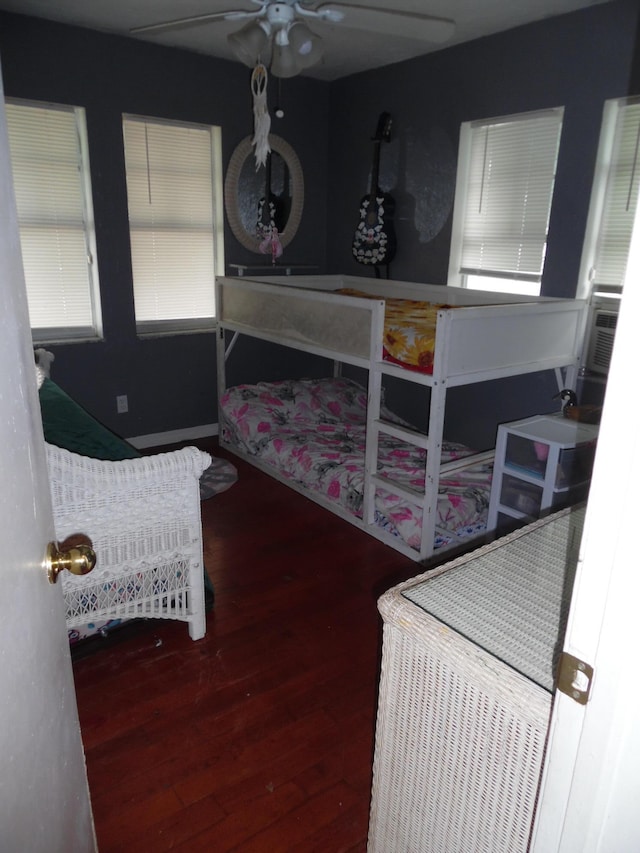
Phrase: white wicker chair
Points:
(143, 519)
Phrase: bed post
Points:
(374, 399)
(437, 403)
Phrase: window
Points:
(50, 164)
(506, 173)
(174, 196)
(614, 198)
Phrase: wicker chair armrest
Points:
(142, 517)
(185, 460)
(85, 487)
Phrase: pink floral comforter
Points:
(313, 433)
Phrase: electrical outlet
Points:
(122, 404)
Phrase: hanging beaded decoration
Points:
(261, 117)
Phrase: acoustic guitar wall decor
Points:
(271, 206)
(271, 217)
(374, 241)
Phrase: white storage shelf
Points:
(468, 672)
(541, 463)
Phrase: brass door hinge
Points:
(574, 678)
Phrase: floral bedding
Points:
(409, 330)
(313, 433)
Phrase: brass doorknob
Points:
(78, 560)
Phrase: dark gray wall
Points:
(577, 61)
(170, 381)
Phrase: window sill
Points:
(146, 334)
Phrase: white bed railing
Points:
(487, 336)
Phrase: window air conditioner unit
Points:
(603, 330)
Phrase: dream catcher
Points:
(261, 117)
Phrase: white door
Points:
(44, 798)
(590, 798)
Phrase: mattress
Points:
(312, 432)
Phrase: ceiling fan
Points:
(277, 33)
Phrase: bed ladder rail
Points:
(467, 461)
(419, 497)
(415, 496)
(411, 436)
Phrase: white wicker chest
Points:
(468, 663)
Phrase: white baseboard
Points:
(159, 439)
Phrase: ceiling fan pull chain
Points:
(261, 117)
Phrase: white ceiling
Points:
(347, 51)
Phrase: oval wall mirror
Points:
(246, 189)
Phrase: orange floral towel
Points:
(409, 329)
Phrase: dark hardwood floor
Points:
(260, 736)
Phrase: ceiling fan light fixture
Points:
(250, 42)
(283, 61)
(306, 45)
(276, 29)
(281, 38)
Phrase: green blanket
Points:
(67, 425)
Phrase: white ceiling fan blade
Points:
(387, 22)
(182, 23)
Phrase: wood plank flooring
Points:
(260, 736)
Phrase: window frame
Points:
(174, 326)
(527, 283)
(612, 116)
(94, 330)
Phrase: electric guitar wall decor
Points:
(374, 242)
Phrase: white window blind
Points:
(620, 201)
(503, 210)
(175, 249)
(51, 178)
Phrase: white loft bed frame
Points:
(491, 337)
